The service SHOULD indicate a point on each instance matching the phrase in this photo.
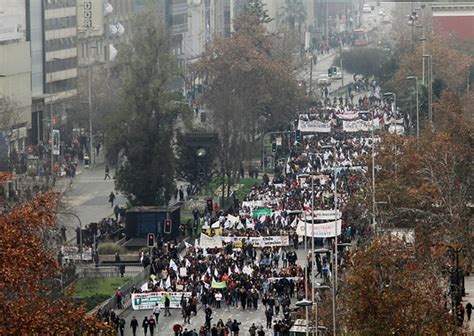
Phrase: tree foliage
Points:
(26, 265)
(294, 14)
(367, 62)
(9, 112)
(386, 291)
(248, 89)
(143, 130)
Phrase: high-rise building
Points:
(15, 74)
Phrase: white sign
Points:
(12, 20)
(72, 253)
(314, 126)
(90, 17)
(142, 301)
(56, 142)
(359, 125)
(324, 215)
(324, 230)
(206, 241)
(261, 242)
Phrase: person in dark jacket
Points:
(134, 325)
(145, 325)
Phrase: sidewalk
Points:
(469, 286)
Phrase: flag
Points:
(168, 283)
(173, 265)
(187, 263)
(188, 245)
(218, 284)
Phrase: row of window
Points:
(52, 4)
(58, 23)
(60, 44)
(61, 64)
(62, 85)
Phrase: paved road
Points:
(88, 197)
(246, 317)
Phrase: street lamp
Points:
(417, 108)
(305, 303)
(430, 87)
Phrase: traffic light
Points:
(209, 204)
(168, 224)
(274, 147)
(151, 240)
(298, 135)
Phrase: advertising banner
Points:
(324, 230)
(142, 301)
(56, 142)
(314, 126)
(90, 17)
(12, 20)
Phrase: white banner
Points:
(265, 241)
(324, 215)
(348, 116)
(314, 126)
(56, 142)
(72, 253)
(142, 301)
(359, 125)
(252, 204)
(206, 241)
(324, 230)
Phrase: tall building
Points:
(15, 73)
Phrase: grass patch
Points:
(89, 287)
(111, 248)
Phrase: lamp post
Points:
(417, 108)
(334, 283)
(373, 172)
(430, 87)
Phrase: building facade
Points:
(15, 75)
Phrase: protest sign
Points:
(218, 284)
(142, 301)
(261, 212)
(314, 126)
(206, 241)
(324, 230)
(263, 241)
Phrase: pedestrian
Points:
(214, 330)
(177, 329)
(122, 326)
(235, 328)
(134, 325)
(118, 297)
(145, 325)
(156, 312)
(269, 316)
(261, 332)
(97, 148)
(107, 172)
(111, 199)
(218, 298)
(253, 330)
(469, 311)
(151, 325)
(116, 212)
(181, 194)
(167, 306)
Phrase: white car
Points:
(366, 9)
(324, 80)
(337, 75)
(382, 12)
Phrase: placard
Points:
(143, 301)
(324, 230)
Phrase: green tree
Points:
(295, 14)
(257, 8)
(144, 127)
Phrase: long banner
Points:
(206, 241)
(324, 230)
(142, 301)
(314, 126)
(264, 241)
(359, 125)
(324, 215)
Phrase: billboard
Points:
(12, 20)
(90, 17)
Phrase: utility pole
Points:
(89, 91)
(51, 140)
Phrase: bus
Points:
(363, 37)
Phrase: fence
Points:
(107, 271)
(137, 281)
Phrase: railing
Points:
(126, 289)
(107, 272)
